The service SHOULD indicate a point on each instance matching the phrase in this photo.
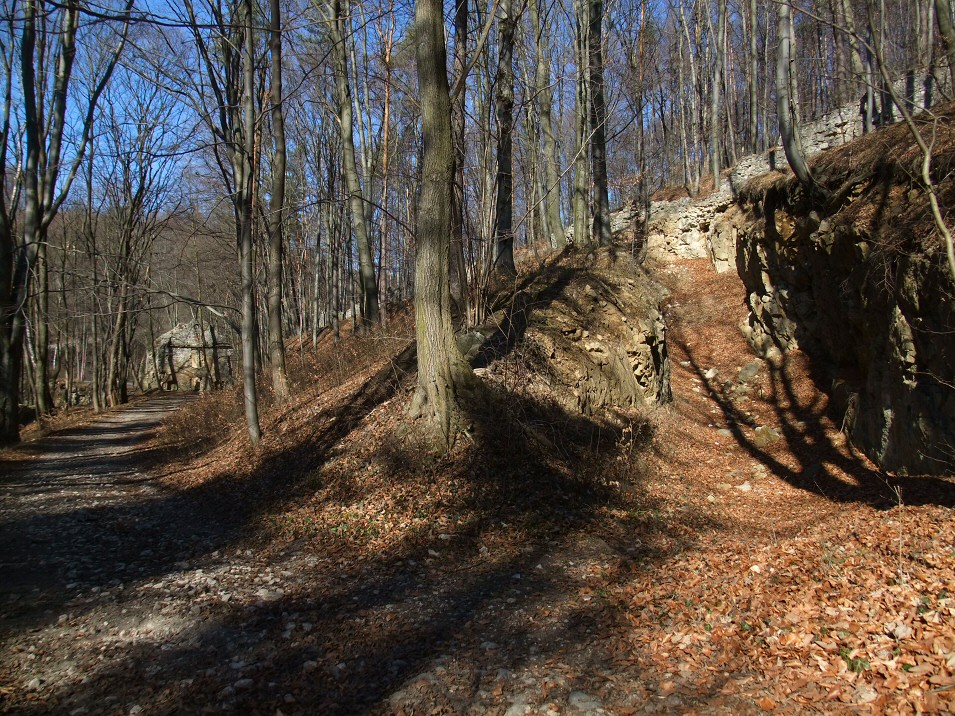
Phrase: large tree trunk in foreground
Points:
(444, 377)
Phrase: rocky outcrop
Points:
(874, 309)
(592, 330)
(189, 358)
(680, 228)
(689, 228)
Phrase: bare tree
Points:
(444, 377)
(338, 33)
(504, 221)
(224, 98)
(280, 387)
(48, 48)
(541, 22)
(598, 123)
(785, 113)
(581, 185)
(943, 15)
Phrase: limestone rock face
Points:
(189, 358)
(881, 326)
(593, 330)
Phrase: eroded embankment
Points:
(861, 285)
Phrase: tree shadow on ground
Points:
(820, 458)
(376, 620)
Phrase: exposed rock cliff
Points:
(862, 287)
(590, 326)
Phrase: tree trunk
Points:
(504, 216)
(280, 387)
(443, 375)
(458, 267)
(114, 392)
(696, 126)
(753, 79)
(943, 15)
(598, 125)
(784, 110)
(545, 101)
(42, 334)
(715, 88)
(356, 202)
(244, 199)
(581, 193)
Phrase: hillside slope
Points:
(726, 553)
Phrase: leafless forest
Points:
(267, 172)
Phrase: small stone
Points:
(745, 487)
(710, 374)
(137, 709)
(243, 684)
(309, 666)
(489, 646)
(725, 432)
(584, 702)
(268, 595)
(864, 694)
(765, 436)
(749, 371)
(711, 497)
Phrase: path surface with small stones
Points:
(119, 596)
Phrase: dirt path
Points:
(55, 505)
(80, 523)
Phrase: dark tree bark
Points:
(458, 276)
(444, 378)
(943, 15)
(504, 217)
(598, 126)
